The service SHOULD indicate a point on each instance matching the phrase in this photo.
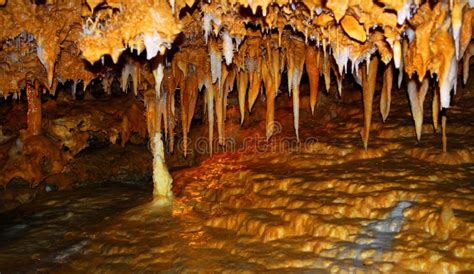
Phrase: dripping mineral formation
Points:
(110, 91)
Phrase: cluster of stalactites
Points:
(357, 29)
(249, 44)
(224, 48)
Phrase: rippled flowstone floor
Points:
(324, 205)
(240, 214)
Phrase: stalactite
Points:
(158, 74)
(368, 89)
(466, 63)
(216, 60)
(270, 112)
(161, 114)
(435, 109)
(126, 72)
(339, 78)
(227, 47)
(34, 114)
(106, 82)
(228, 87)
(47, 56)
(312, 68)
(417, 98)
(242, 86)
(456, 23)
(445, 65)
(74, 89)
(170, 84)
(402, 63)
(219, 104)
(210, 111)
(295, 64)
(150, 113)
(327, 71)
(188, 82)
(444, 136)
(386, 96)
(270, 68)
(135, 73)
(466, 31)
(255, 83)
(397, 55)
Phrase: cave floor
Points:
(321, 204)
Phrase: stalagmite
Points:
(33, 116)
(242, 86)
(417, 98)
(368, 89)
(161, 177)
(312, 68)
(386, 96)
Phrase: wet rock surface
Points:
(324, 204)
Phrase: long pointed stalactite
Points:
(295, 72)
(386, 95)
(271, 79)
(210, 95)
(312, 64)
(369, 78)
(435, 109)
(417, 98)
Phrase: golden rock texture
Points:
(205, 48)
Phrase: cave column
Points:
(33, 115)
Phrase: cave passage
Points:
(236, 136)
